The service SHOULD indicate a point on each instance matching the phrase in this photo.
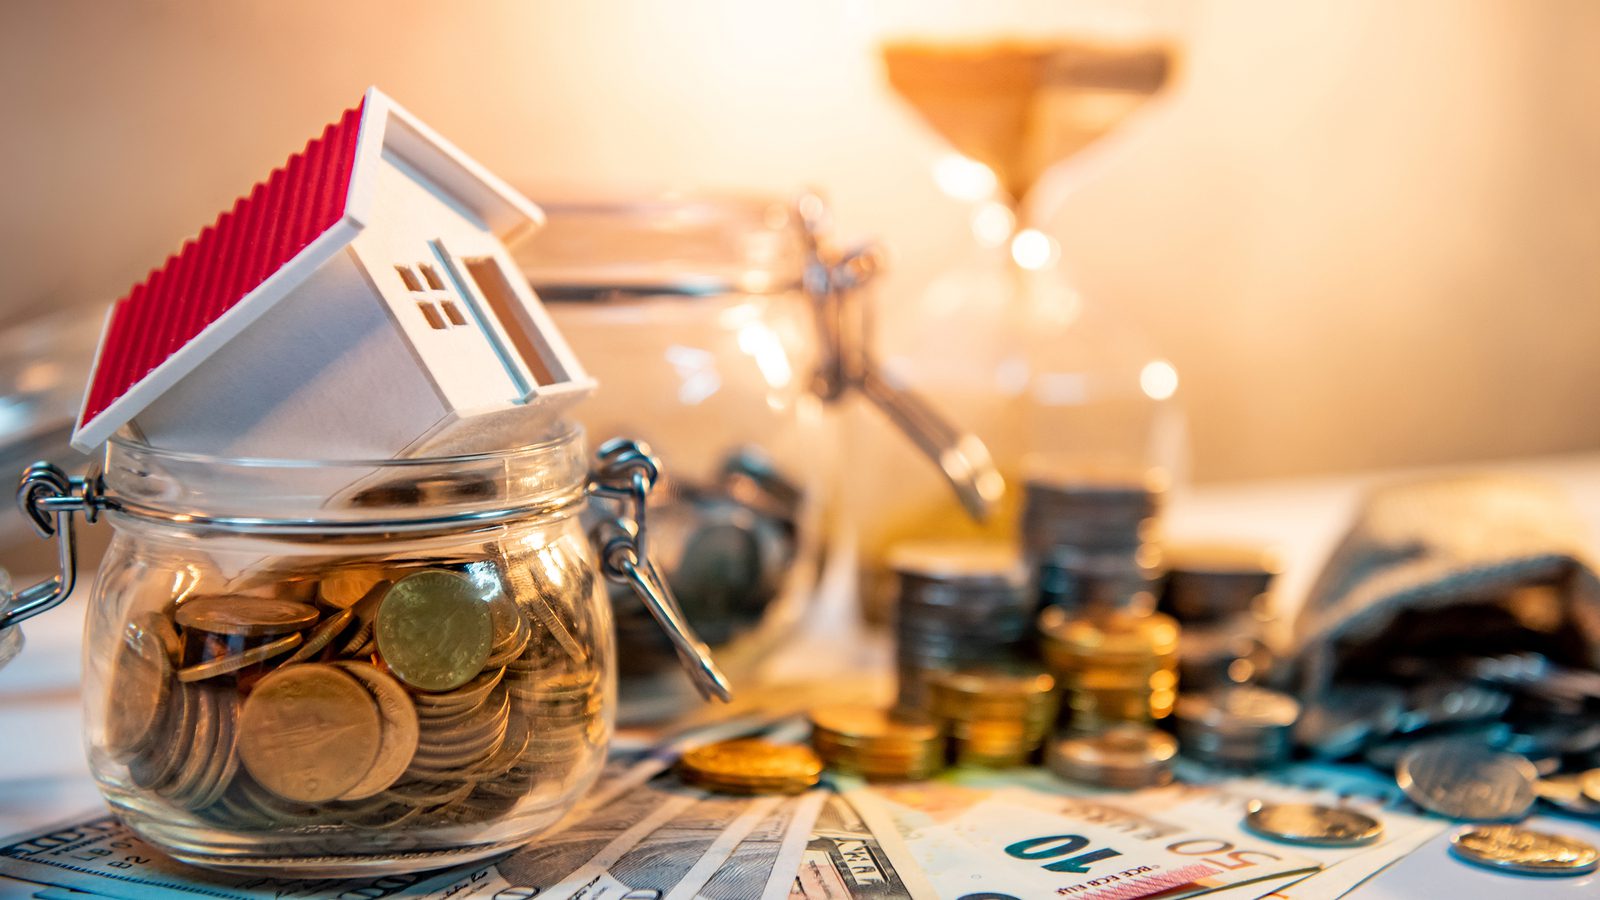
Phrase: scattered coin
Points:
(247, 616)
(751, 767)
(1509, 848)
(435, 630)
(1464, 780)
(1312, 824)
(309, 733)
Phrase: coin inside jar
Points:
(1312, 824)
(434, 630)
(143, 681)
(309, 733)
(1509, 848)
(248, 616)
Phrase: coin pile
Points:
(1114, 666)
(960, 606)
(994, 718)
(751, 766)
(860, 740)
(367, 695)
(1123, 757)
(1240, 727)
(1218, 594)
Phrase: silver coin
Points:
(1465, 780)
(1312, 824)
(1507, 848)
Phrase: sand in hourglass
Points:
(1019, 107)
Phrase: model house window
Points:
(437, 305)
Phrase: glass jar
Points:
(692, 316)
(339, 668)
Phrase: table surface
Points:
(44, 777)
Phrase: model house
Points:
(358, 304)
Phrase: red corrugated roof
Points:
(225, 262)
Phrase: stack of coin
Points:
(751, 766)
(1092, 512)
(961, 605)
(1219, 595)
(367, 694)
(994, 717)
(860, 740)
(1124, 757)
(1074, 580)
(1114, 666)
(1241, 727)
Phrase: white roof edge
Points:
(87, 436)
(377, 101)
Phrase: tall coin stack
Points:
(1241, 727)
(961, 606)
(994, 718)
(1219, 595)
(1115, 666)
(1081, 525)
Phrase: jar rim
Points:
(561, 434)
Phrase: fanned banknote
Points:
(763, 866)
(1004, 838)
(844, 860)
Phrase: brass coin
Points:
(345, 588)
(248, 616)
(1509, 848)
(321, 636)
(1312, 824)
(871, 723)
(398, 736)
(223, 665)
(141, 689)
(435, 630)
(309, 733)
(752, 765)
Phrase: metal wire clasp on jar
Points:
(352, 667)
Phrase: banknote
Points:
(845, 860)
(764, 864)
(1006, 839)
(98, 854)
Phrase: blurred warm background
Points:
(1365, 233)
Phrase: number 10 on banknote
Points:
(999, 845)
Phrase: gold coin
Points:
(1591, 785)
(1523, 850)
(397, 740)
(321, 636)
(223, 665)
(309, 733)
(141, 689)
(346, 587)
(871, 723)
(248, 616)
(752, 765)
(434, 630)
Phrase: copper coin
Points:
(398, 741)
(309, 733)
(249, 616)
